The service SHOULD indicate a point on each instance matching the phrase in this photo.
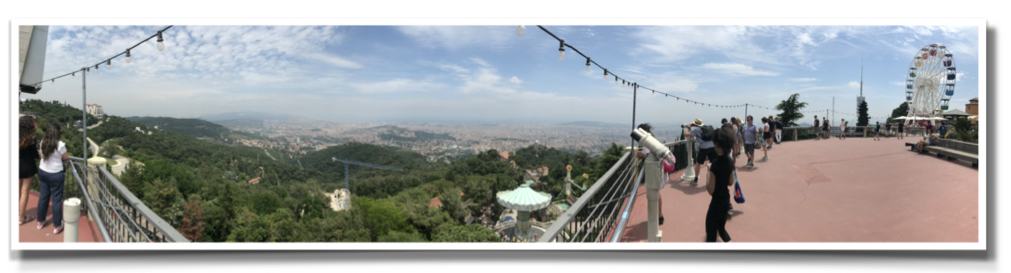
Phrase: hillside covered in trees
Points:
(201, 187)
(190, 127)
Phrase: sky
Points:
(489, 74)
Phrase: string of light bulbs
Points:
(108, 61)
(622, 81)
(628, 83)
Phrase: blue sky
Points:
(489, 74)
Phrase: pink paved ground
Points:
(87, 232)
(830, 190)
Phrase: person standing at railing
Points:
(877, 126)
(901, 124)
(705, 144)
(817, 136)
(888, 129)
(641, 155)
(779, 131)
(28, 153)
(720, 175)
(51, 174)
(750, 133)
(736, 123)
(763, 139)
(825, 126)
(842, 129)
(772, 128)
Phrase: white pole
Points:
(690, 170)
(71, 216)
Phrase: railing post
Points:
(71, 216)
(865, 131)
(689, 174)
(794, 134)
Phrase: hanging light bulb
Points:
(561, 49)
(73, 75)
(127, 56)
(54, 81)
(519, 30)
(161, 44)
(108, 64)
(587, 64)
(605, 76)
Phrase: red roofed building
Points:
(435, 203)
(254, 181)
(504, 155)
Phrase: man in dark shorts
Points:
(877, 125)
(706, 150)
(901, 124)
(750, 137)
(825, 126)
(817, 134)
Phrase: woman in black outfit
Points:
(28, 156)
(720, 175)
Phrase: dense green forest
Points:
(200, 187)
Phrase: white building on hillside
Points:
(95, 110)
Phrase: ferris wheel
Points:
(930, 82)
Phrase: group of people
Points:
(45, 159)
(721, 147)
(822, 128)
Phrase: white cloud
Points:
(802, 79)
(396, 85)
(735, 68)
(331, 59)
(456, 37)
(515, 80)
(853, 84)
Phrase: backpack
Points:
(707, 133)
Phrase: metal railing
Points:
(120, 215)
(595, 212)
(600, 214)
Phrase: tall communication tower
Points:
(860, 99)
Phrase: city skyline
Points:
(488, 74)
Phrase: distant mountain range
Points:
(591, 124)
(249, 116)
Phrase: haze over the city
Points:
(488, 74)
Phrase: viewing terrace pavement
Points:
(830, 190)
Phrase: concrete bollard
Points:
(71, 217)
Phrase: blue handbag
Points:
(738, 196)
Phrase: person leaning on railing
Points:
(51, 177)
